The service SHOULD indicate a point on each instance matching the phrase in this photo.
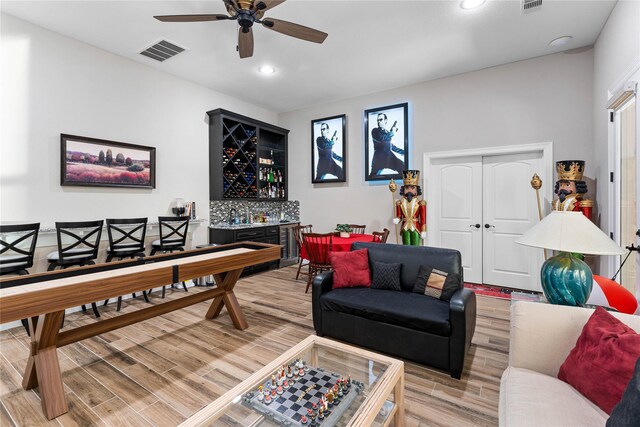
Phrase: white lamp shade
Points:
(569, 232)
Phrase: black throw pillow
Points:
(627, 412)
(436, 283)
(386, 276)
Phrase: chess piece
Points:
(280, 390)
(289, 373)
(330, 398)
(349, 382)
(321, 413)
(273, 394)
(286, 384)
(260, 394)
(304, 421)
(411, 211)
(570, 187)
(273, 382)
(267, 398)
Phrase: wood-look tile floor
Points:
(161, 371)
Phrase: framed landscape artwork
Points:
(386, 142)
(328, 149)
(101, 163)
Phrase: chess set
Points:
(298, 395)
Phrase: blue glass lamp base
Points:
(566, 280)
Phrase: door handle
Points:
(475, 225)
(488, 226)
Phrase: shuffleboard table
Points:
(42, 299)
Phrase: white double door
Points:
(481, 205)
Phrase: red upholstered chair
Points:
(318, 247)
(381, 236)
(297, 232)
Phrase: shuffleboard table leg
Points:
(43, 368)
(228, 299)
(235, 312)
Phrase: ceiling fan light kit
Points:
(247, 13)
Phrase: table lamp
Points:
(566, 279)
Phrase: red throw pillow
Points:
(350, 268)
(601, 364)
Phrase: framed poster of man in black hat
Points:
(386, 142)
(328, 149)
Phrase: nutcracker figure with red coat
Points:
(411, 211)
(570, 188)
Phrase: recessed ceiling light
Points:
(560, 41)
(267, 69)
(471, 4)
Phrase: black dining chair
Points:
(17, 249)
(126, 240)
(78, 244)
(173, 237)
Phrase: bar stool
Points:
(173, 237)
(82, 248)
(126, 240)
(206, 280)
(17, 248)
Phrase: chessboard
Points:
(289, 408)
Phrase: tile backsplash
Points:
(219, 209)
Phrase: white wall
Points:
(52, 84)
(537, 100)
(616, 55)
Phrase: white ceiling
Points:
(372, 45)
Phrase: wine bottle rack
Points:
(247, 148)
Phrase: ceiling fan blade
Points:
(245, 43)
(295, 30)
(191, 18)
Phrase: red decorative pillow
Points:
(601, 364)
(350, 268)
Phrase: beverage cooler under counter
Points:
(282, 234)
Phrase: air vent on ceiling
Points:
(529, 6)
(162, 50)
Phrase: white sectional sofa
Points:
(542, 335)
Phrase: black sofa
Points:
(401, 323)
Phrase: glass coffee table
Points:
(318, 382)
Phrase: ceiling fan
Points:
(247, 13)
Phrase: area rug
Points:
(500, 292)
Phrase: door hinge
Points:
(610, 176)
(611, 235)
(611, 116)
